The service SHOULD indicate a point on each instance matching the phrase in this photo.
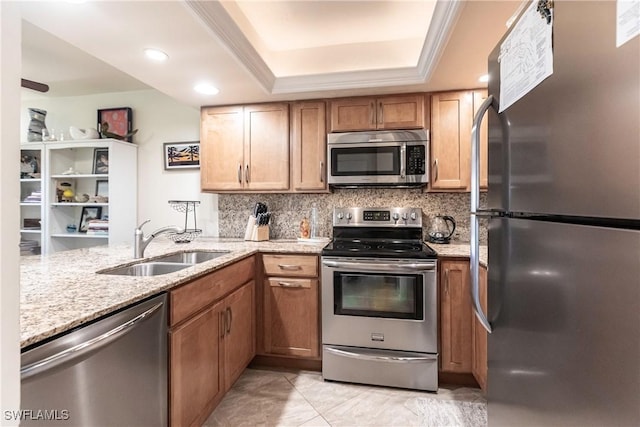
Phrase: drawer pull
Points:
(290, 285)
(289, 267)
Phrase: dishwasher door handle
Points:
(86, 347)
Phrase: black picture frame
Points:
(181, 155)
(89, 213)
(118, 121)
(100, 161)
(102, 187)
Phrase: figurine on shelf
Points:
(104, 132)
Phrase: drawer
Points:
(290, 265)
(194, 296)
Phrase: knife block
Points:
(254, 232)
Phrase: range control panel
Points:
(377, 217)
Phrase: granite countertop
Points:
(61, 291)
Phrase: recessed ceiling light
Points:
(155, 54)
(206, 89)
(484, 78)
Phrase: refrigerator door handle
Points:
(475, 197)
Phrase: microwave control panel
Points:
(416, 156)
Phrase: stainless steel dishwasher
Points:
(112, 372)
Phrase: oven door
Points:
(380, 303)
(377, 163)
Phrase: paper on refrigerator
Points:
(526, 56)
(627, 20)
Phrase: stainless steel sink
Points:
(191, 257)
(146, 269)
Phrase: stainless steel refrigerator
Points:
(563, 213)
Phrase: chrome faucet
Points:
(140, 242)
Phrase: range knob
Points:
(395, 217)
(413, 215)
(404, 216)
(340, 215)
(349, 215)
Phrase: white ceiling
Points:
(256, 51)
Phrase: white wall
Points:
(159, 119)
(10, 60)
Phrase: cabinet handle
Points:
(223, 324)
(246, 173)
(289, 267)
(435, 167)
(446, 281)
(380, 113)
(239, 173)
(290, 285)
(230, 314)
(321, 171)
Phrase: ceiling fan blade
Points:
(30, 84)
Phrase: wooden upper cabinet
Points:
(221, 148)
(245, 148)
(266, 150)
(309, 146)
(455, 317)
(478, 98)
(452, 116)
(371, 113)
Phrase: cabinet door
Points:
(239, 332)
(222, 149)
(309, 146)
(350, 114)
(266, 147)
(455, 317)
(291, 316)
(451, 121)
(478, 98)
(480, 337)
(400, 112)
(195, 375)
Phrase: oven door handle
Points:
(397, 359)
(379, 266)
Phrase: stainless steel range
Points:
(379, 300)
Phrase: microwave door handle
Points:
(403, 161)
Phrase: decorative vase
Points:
(36, 124)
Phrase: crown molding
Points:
(214, 16)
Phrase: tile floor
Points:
(283, 398)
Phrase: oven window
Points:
(358, 161)
(378, 295)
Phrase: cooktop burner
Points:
(378, 233)
(380, 249)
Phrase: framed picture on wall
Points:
(181, 155)
(115, 123)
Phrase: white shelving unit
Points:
(31, 208)
(72, 162)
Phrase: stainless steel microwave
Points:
(396, 158)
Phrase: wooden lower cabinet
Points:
(239, 337)
(455, 317)
(289, 334)
(480, 336)
(211, 340)
(291, 316)
(196, 380)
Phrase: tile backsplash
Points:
(289, 209)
